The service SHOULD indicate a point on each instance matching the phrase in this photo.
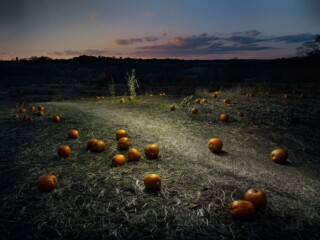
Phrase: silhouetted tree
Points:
(310, 48)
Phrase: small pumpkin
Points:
(134, 155)
(214, 95)
(64, 151)
(40, 113)
(73, 134)
(215, 145)
(121, 133)
(197, 101)
(151, 151)
(194, 111)
(27, 119)
(279, 155)
(16, 115)
(152, 182)
(98, 146)
(119, 160)
(227, 101)
(47, 182)
(56, 118)
(257, 197)
(130, 98)
(23, 110)
(224, 117)
(242, 210)
(286, 96)
(90, 142)
(98, 97)
(204, 101)
(124, 143)
(122, 100)
(32, 108)
(41, 108)
(172, 107)
(17, 105)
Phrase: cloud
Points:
(135, 40)
(295, 38)
(89, 52)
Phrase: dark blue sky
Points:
(202, 29)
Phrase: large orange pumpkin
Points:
(215, 145)
(151, 151)
(119, 160)
(257, 197)
(98, 146)
(121, 133)
(64, 151)
(124, 143)
(279, 155)
(47, 182)
(152, 182)
(73, 134)
(242, 209)
(134, 155)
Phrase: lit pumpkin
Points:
(23, 110)
(172, 107)
(152, 182)
(242, 210)
(194, 111)
(279, 155)
(257, 197)
(119, 160)
(215, 145)
(41, 108)
(17, 105)
(227, 101)
(121, 133)
(124, 143)
(90, 142)
(122, 100)
(134, 155)
(40, 114)
(56, 118)
(32, 108)
(197, 101)
(64, 151)
(98, 146)
(47, 182)
(224, 117)
(73, 134)
(151, 151)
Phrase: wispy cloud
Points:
(136, 40)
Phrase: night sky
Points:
(185, 29)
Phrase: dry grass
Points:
(97, 201)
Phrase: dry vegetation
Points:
(94, 200)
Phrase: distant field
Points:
(94, 200)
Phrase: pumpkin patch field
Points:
(71, 178)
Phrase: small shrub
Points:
(132, 83)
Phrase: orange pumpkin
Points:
(286, 96)
(242, 209)
(73, 134)
(227, 101)
(98, 146)
(130, 98)
(64, 151)
(98, 97)
(224, 117)
(204, 101)
(16, 115)
(134, 155)
(40, 113)
(32, 107)
(47, 182)
(17, 105)
(194, 110)
(215, 145)
(56, 118)
(23, 110)
(90, 142)
(172, 107)
(121, 133)
(124, 143)
(279, 155)
(214, 95)
(119, 160)
(257, 197)
(41, 108)
(27, 119)
(151, 151)
(197, 101)
(152, 182)
(122, 100)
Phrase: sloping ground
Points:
(97, 201)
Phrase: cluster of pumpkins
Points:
(254, 199)
(24, 111)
